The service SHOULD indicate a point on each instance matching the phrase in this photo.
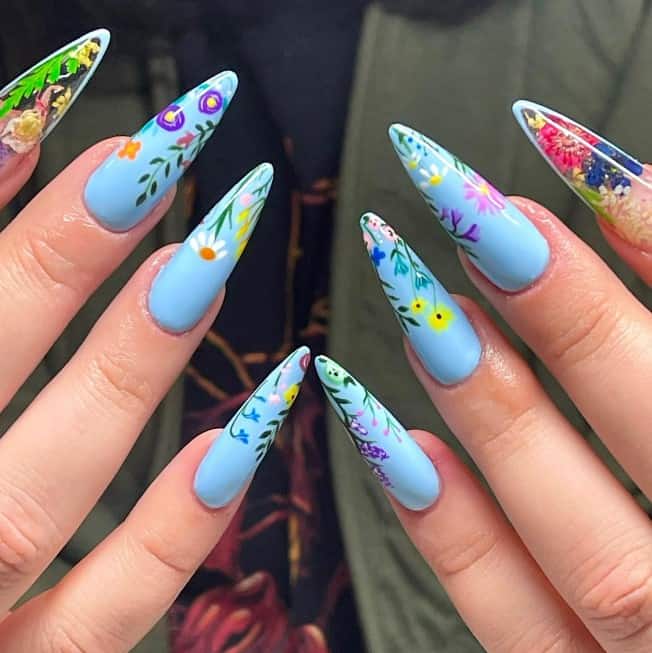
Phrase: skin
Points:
(53, 256)
(566, 553)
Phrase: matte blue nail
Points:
(32, 105)
(125, 188)
(234, 457)
(395, 459)
(498, 239)
(191, 280)
(438, 329)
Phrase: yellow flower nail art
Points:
(418, 305)
(291, 394)
(441, 317)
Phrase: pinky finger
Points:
(498, 589)
(113, 597)
(614, 185)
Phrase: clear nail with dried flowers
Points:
(612, 183)
(391, 453)
(436, 326)
(234, 457)
(125, 188)
(191, 280)
(33, 104)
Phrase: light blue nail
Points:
(234, 457)
(438, 329)
(395, 459)
(32, 105)
(191, 280)
(125, 188)
(498, 239)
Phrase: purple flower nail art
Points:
(211, 102)
(171, 118)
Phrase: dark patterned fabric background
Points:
(278, 581)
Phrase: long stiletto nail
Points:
(498, 239)
(438, 329)
(33, 104)
(395, 459)
(611, 182)
(125, 188)
(235, 455)
(191, 280)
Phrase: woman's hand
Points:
(57, 459)
(567, 564)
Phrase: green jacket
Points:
(586, 58)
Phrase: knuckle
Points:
(508, 432)
(584, 335)
(62, 640)
(67, 633)
(544, 638)
(616, 597)
(466, 553)
(28, 536)
(165, 554)
(114, 377)
(43, 258)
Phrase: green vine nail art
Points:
(387, 448)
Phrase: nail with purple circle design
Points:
(126, 187)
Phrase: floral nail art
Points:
(394, 458)
(498, 239)
(181, 153)
(158, 154)
(188, 284)
(33, 104)
(235, 455)
(612, 183)
(437, 328)
(277, 394)
(460, 227)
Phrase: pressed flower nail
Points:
(394, 458)
(613, 184)
(191, 280)
(438, 329)
(33, 104)
(233, 458)
(125, 188)
(498, 239)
